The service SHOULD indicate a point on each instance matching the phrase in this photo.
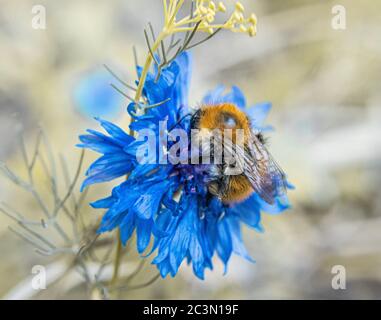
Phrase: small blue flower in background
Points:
(196, 226)
(94, 97)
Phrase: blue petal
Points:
(197, 257)
(216, 96)
(142, 124)
(224, 244)
(164, 243)
(143, 233)
(235, 96)
(161, 223)
(97, 143)
(238, 245)
(110, 173)
(258, 114)
(248, 211)
(173, 85)
(103, 203)
(162, 255)
(125, 198)
(127, 227)
(182, 235)
(184, 61)
(108, 161)
(281, 204)
(148, 203)
(115, 131)
(213, 96)
(110, 221)
(164, 268)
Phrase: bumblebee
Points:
(258, 170)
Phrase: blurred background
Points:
(325, 88)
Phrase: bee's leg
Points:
(214, 188)
(218, 185)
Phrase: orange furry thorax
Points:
(211, 117)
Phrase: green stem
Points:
(117, 260)
(147, 65)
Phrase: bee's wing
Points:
(257, 164)
(265, 175)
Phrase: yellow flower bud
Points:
(252, 31)
(203, 10)
(221, 7)
(238, 16)
(210, 18)
(239, 7)
(253, 19)
(212, 6)
(242, 28)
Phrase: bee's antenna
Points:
(178, 122)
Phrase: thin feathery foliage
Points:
(60, 226)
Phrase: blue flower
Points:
(94, 97)
(196, 226)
